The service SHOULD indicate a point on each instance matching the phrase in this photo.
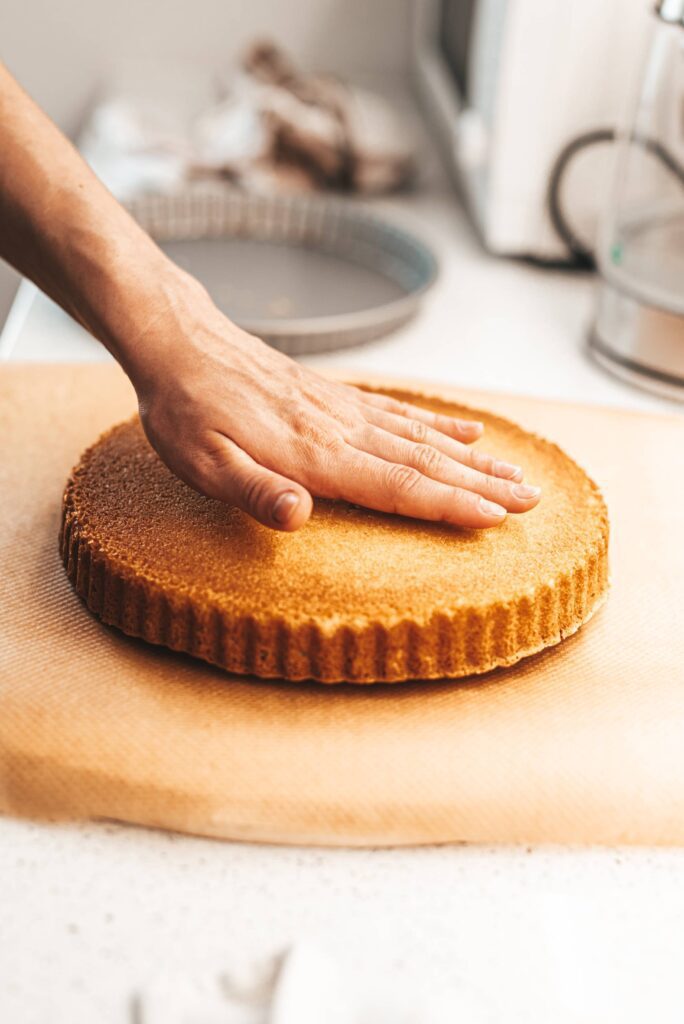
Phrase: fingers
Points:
(393, 487)
(232, 476)
(420, 433)
(432, 463)
(466, 431)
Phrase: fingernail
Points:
(507, 470)
(490, 508)
(284, 507)
(525, 491)
(470, 426)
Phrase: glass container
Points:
(639, 327)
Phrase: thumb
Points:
(268, 497)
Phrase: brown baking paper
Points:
(583, 743)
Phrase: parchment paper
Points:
(583, 743)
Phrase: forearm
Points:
(61, 227)
(232, 417)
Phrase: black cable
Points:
(582, 257)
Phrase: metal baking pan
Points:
(305, 274)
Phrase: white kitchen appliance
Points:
(508, 84)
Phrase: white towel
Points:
(305, 986)
(271, 129)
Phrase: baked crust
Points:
(356, 596)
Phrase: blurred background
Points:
(65, 53)
(480, 133)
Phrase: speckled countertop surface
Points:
(92, 913)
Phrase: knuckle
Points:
(398, 407)
(257, 493)
(208, 469)
(319, 447)
(485, 463)
(418, 431)
(208, 464)
(427, 459)
(402, 480)
(330, 444)
(363, 434)
(301, 422)
(314, 437)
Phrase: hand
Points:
(230, 416)
(243, 423)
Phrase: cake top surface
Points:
(347, 564)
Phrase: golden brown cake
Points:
(355, 596)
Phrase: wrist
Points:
(114, 279)
(147, 316)
(146, 326)
(170, 331)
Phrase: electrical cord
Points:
(582, 257)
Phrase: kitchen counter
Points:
(92, 913)
(487, 323)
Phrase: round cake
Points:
(355, 595)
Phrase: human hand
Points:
(235, 419)
(243, 423)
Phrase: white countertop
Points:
(487, 323)
(89, 913)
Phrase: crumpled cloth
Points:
(271, 128)
(306, 985)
